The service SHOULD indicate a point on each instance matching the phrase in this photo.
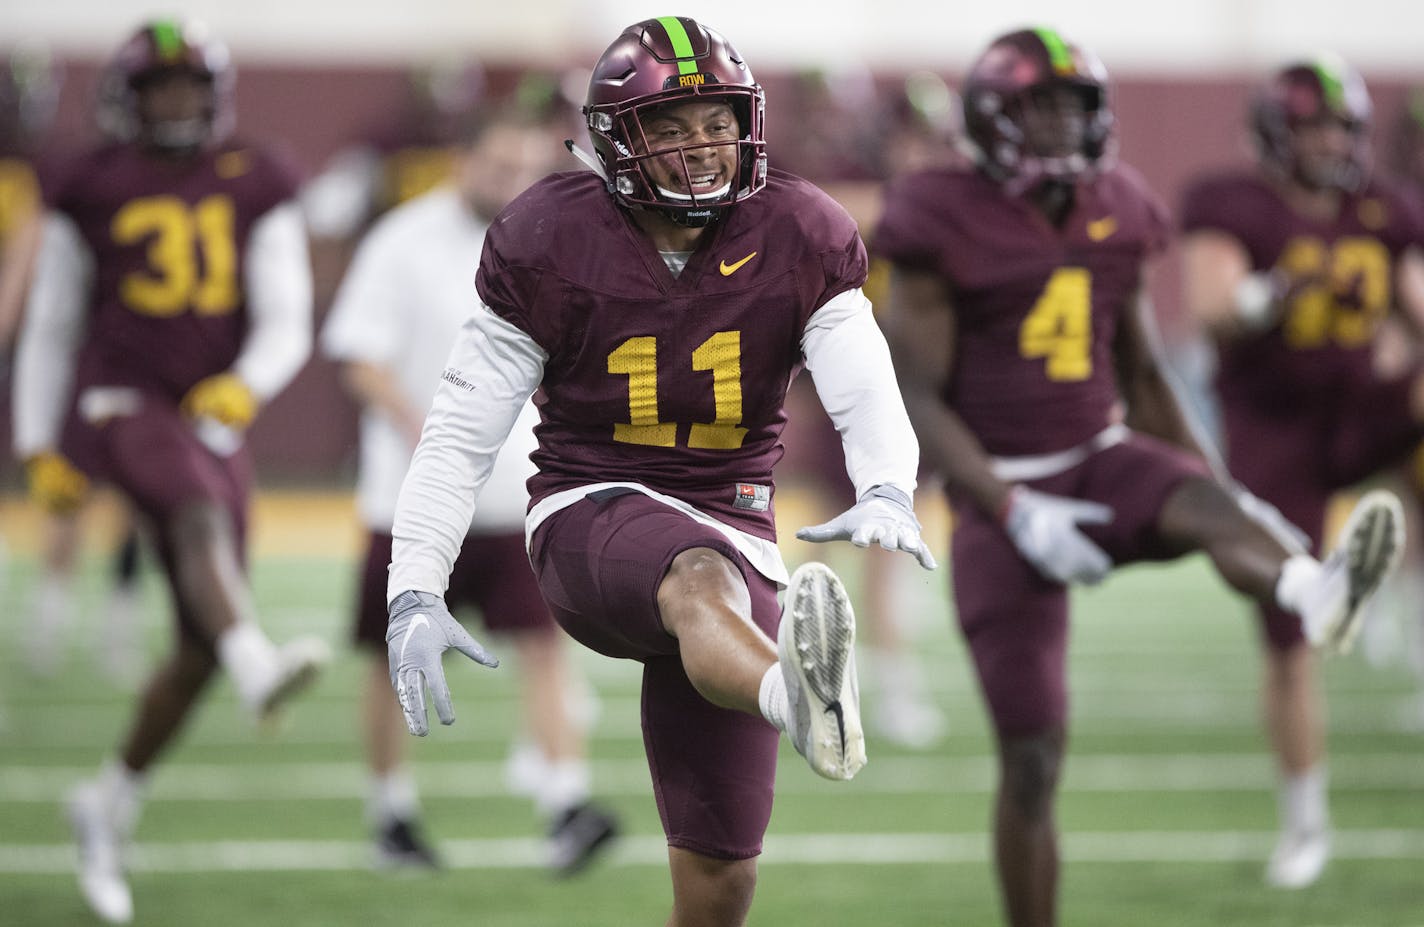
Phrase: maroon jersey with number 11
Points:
(674, 382)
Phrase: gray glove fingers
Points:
(922, 554)
(819, 534)
(411, 691)
(1095, 563)
(1089, 513)
(474, 650)
(868, 534)
(440, 694)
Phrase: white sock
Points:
(567, 784)
(392, 797)
(1302, 802)
(1301, 589)
(121, 791)
(54, 602)
(772, 697)
(249, 658)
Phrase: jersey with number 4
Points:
(673, 382)
(1036, 306)
(1340, 285)
(167, 305)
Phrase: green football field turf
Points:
(1168, 803)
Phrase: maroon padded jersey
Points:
(168, 239)
(676, 383)
(1036, 307)
(1341, 276)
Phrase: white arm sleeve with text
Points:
(493, 369)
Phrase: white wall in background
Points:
(1135, 35)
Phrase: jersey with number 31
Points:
(673, 382)
(167, 237)
(1036, 307)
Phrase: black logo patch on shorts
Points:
(752, 497)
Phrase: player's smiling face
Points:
(700, 135)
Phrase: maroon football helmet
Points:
(1001, 92)
(1309, 92)
(665, 61)
(157, 47)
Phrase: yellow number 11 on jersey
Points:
(1059, 327)
(721, 355)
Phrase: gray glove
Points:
(1045, 530)
(421, 629)
(882, 515)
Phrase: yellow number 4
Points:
(1060, 326)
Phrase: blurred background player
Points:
(410, 155)
(172, 297)
(1024, 345)
(30, 82)
(1293, 268)
(408, 291)
(1395, 632)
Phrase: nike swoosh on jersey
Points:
(415, 622)
(729, 269)
(1099, 229)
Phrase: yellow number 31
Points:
(179, 238)
(1059, 328)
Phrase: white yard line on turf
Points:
(308, 781)
(781, 849)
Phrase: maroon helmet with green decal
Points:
(1303, 93)
(670, 60)
(156, 47)
(1000, 93)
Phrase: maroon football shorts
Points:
(600, 562)
(1014, 620)
(155, 459)
(1297, 459)
(491, 574)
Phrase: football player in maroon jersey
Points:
(1021, 336)
(661, 305)
(171, 299)
(1292, 268)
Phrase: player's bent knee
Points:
(198, 524)
(1031, 767)
(710, 890)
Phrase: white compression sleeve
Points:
(850, 364)
(278, 280)
(53, 328)
(493, 369)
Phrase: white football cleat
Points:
(99, 863)
(1298, 859)
(298, 663)
(1369, 550)
(816, 649)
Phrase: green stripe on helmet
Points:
(1059, 54)
(681, 44)
(168, 38)
(1330, 84)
